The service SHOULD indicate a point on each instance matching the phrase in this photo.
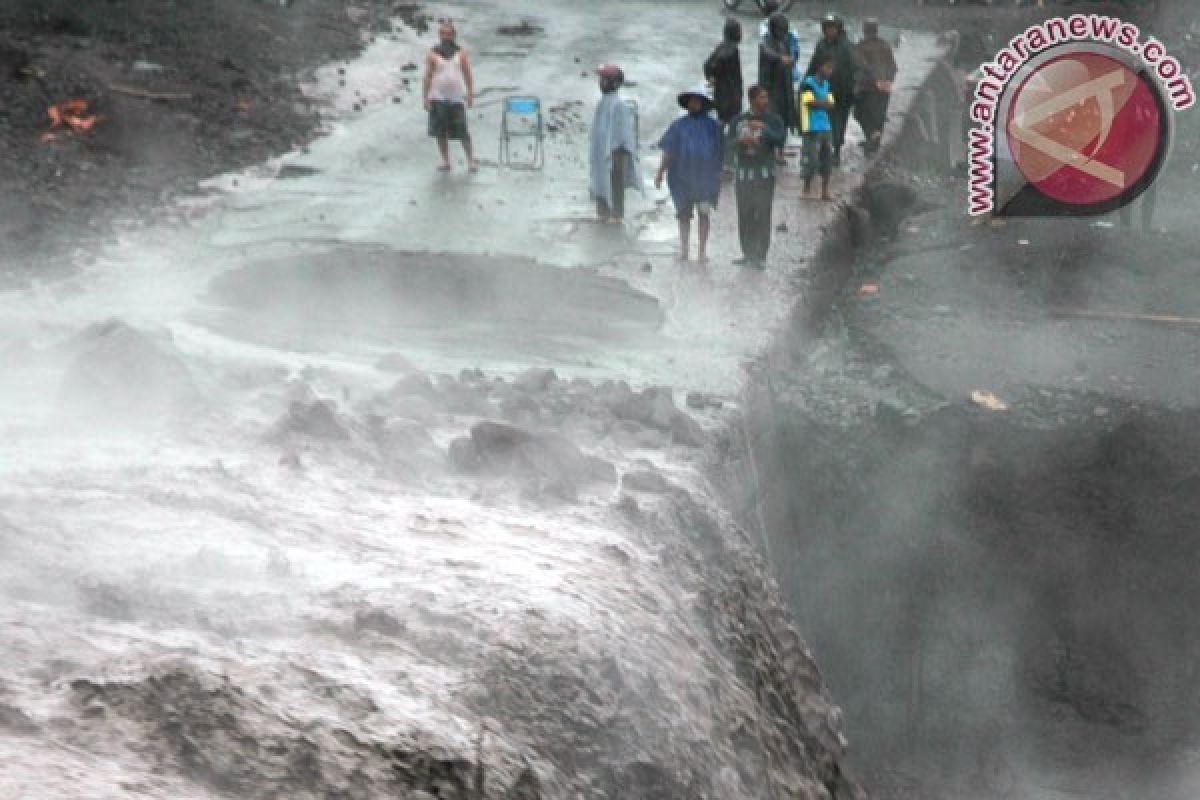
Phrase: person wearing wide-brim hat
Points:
(692, 151)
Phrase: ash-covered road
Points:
(268, 532)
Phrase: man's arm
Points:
(768, 50)
(468, 78)
(774, 131)
(663, 166)
(710, 65)
(427, 81)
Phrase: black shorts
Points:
(447, 119)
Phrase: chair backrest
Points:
(522, 105)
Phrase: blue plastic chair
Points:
(521, 118)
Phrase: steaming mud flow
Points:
(370, 481)
(376, 482)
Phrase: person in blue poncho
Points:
(693, 149)
(613, 157)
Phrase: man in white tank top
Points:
(448, 91)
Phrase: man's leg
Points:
(828, 157)
(619, 163)
(444, 148)
(702, 236)
(744, 193)
(685, 231)
(839, 118)
(812, 145)
(765, 197)
(469, 151)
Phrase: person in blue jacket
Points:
(817, 103)
(692, 151)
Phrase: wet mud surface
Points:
(374, 297)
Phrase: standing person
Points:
(448, 91)
(769, 9)
(775, 66)
(692, 149)
(835, 46)
(817, 103)
(873, 92)
(723, 69)
(757, 134)
(613, 155)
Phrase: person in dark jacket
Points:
(877, 70)
(757, 135)
(775, 62)
(835, 46)
(723, 70)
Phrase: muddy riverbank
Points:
(179, 92)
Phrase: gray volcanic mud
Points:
(467, 587)
(451, 304)
(1002, 596)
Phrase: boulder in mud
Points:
(417, 384)
(645, 480)
(394, 362)
(535, 380)
(686, 431)
(15, 721)
(653, 407)
(550, 460)
(126, 376)
(313, 419)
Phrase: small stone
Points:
(535, 380)
(645, 481)
(416, 384)
(686, 431)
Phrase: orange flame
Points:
(70, 114)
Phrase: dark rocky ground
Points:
(185, 90)
(1000, 600)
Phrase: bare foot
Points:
(443, 167)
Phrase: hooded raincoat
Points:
(613, 130)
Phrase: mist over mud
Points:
(1000, 599)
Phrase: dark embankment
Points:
(1000, 599)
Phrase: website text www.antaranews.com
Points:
(999, 71)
